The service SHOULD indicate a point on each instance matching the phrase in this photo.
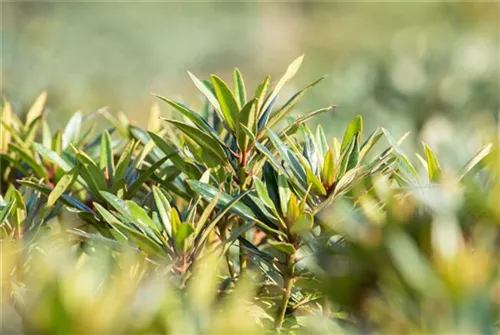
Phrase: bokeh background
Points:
(432, 68)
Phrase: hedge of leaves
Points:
(232, 219)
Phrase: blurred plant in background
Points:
(406, 65)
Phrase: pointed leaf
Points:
(239, 88)
(478, 157)
(289, 74)
(262, 193)
(328, 171)
(284, 193)
(52, 156)
(433, 168)
(277, 116)
(37, 108)
(72, 129)
(144, 175)
(355, 129)
(321, 141)
(26, 157)
(107, 156)
(287, 248)
(66, 181)
(124, 161)
(206, 92)
(163, 206)
(202, 139)
(227, 102)
(210, 192)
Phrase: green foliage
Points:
(218, 223)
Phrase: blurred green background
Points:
(428, 67)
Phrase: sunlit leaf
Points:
(37, 108)
(66, 181)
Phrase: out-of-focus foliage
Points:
(407, 65)
(218, 221)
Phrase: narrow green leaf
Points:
(72, 129)
(227, 102)
(52, 156)
(142, 240)
(271, 159)
(289, 74)
(183, 165)
(4, 213)
(294, 126)
(13, 133)
(328, 171)
(209, 192)
(353, 156)
(184, 231)
(246, 118)
(140, 216)
(204, 235)
(190, 114)
(175, 220)
(6, 116)
(32, 131)
(345, 158)
(37, 108)
(310, 152)
(262, 89)
(312, 179)
(202, 139)
(26, 157)
(66, 181)
(478, 157)
(144, 175)
(277, 116)
(249, 134)
(355, 129)
(260, 94)
(346, 181)
(163, 206)
(262, 193)
(66, 199)
(56, 144)
(124, 161)
(118, 204)
(206, 92)
(114, 243)
(433, 168)
(239, 88)
(287, 248)
(321, 141)
(369, 143)
(46, 135)
(284, 193)
(403, 163)
(107, 156)
(288, 156)
(92, 169)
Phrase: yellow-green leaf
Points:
(328, 171)
(37, 108)
(66, 181)
(227, 102)
(433, 168)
